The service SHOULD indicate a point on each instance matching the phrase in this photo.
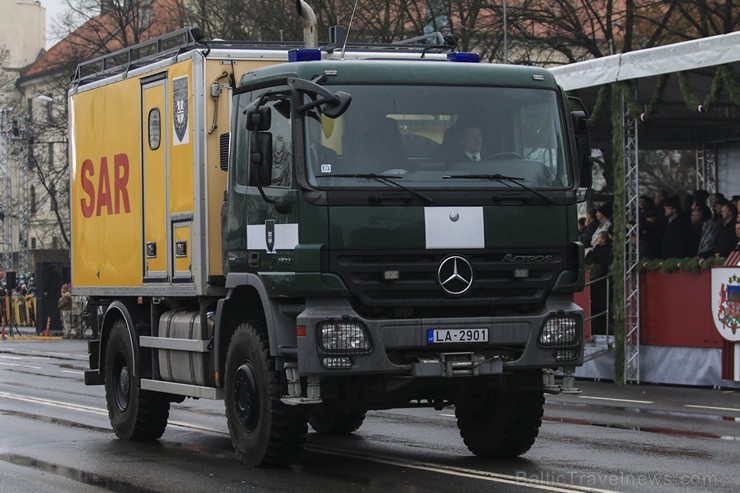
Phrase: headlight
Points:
(560, 332)
(343, 337)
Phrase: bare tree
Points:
(103, 26)
(567, 31)
(673, 171)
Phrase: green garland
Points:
(690, 264)
(617, 268)
(652, 107)
(733, 87)
(717, 83)
(692, 102)
(723, 77)
(628, 91)
(600, 106)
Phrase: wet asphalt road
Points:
(55, 437)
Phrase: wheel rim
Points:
(246, 397)
(121, 383)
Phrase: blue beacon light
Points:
(461, 56)
(304, 55)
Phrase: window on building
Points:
(32, 199)
(33, 243)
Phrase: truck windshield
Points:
(424, 137)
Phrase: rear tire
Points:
(332, 421)
(135, 414)
(264, 431)
(501, 424)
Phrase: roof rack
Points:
(142, 53)
(189, 38)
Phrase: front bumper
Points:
(400, 346)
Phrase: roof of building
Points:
(98, 35)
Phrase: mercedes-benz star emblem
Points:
(455, 275)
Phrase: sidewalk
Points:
(678, 398)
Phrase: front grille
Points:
(494, 286)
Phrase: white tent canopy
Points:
(689, 55)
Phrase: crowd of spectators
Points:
(703, 225)
(699, 225)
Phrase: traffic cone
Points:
(48, 325)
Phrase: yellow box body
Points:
(146, 182)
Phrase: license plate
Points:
(456, 336)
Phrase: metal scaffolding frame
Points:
(631, 251)
(6, 205)
(706, 168)
(12, 131)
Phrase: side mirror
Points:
(258, 118)
(581, 124)
(336, 107)
(260, 159)
(332, 105)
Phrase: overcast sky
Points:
(53, 9)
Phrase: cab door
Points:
(155, 168)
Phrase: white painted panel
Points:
(286, 237)
(454, 227)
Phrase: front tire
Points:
(135, 414)
(264, 431)
(501, 424)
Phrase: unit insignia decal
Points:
(270, 235)
(180, 110)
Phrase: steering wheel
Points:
(505, 155)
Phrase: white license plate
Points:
(456, 336)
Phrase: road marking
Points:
(20, 365)
(448, 415)
(614, 400)
(411, 464)
(4, 356)
(459, 471)
(74, 372)
(732, 409)
(95, 410)
(53, 403)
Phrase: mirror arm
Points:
(308, 86)
(313, 104)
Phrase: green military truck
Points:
(356, 256)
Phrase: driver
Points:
(471, 141)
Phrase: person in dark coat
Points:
(598, 260)
(652, 231)
(708, 241)
(700, 199)
(588, 232)
(677, 231)
(696, 230)
(726, 238)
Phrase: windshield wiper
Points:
(386, 180)
(502, 179)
